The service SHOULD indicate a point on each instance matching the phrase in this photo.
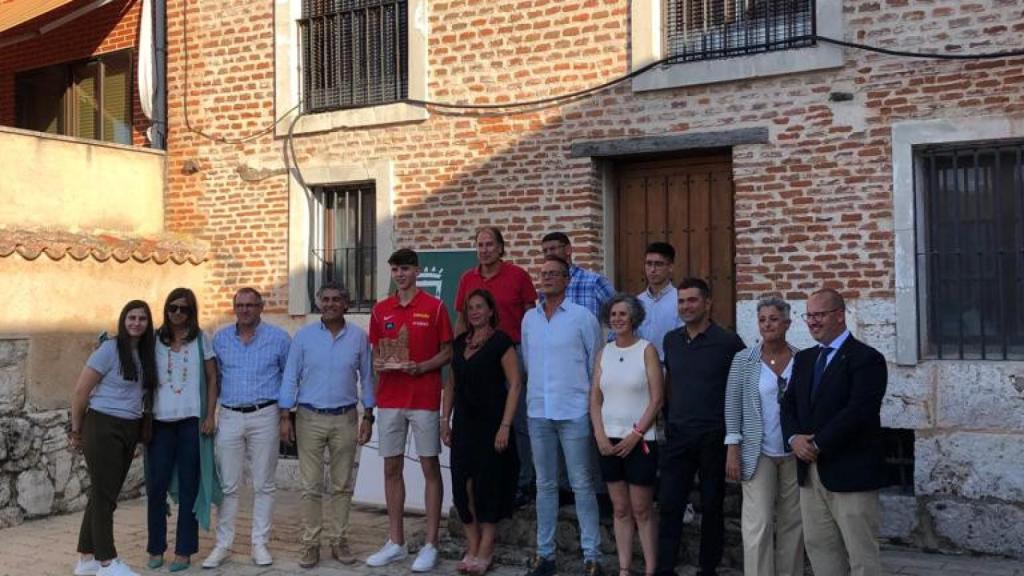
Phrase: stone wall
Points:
(968, 421)
(39, 474)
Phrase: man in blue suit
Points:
(830, 417)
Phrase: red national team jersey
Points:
(426, 321)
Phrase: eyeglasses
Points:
(552, 274)
(178, 309)
(246, 305)
(817, 315)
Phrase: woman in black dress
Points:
(483, 388)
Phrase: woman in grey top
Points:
(758, 454)
(106, 413)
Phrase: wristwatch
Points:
(368, 415)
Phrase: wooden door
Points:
(687, 202)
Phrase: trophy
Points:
(394, 352)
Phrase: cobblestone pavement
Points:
(47, 547)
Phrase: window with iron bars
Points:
(709, 29)
(354, 53)
(347, 220)
(899, 460)
(970, 251)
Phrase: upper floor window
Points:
(354, 53)
(86, 99)
(970, 251)
(707, 29)
(345, 249)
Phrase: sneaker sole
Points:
(390, 561)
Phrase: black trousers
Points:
(109, 445)
(687, 453)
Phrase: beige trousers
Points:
(338, 434)
(773, 542)
(840, 529)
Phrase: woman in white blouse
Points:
(180, 453)
(625, 398)
(758, 455)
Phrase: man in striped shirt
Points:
(251, 356)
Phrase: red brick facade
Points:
(814, 205)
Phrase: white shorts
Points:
(393, 428)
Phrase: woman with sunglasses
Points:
(758, 455)
(180, 453)
(106, 412)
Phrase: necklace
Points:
(178, 390)
(478, 339)
(774, 357)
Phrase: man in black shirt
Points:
(697, 359)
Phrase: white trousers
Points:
(247, 438)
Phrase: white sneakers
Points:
(389, 553)
(115, 568)
(261, 556)
(426, 559)
(217, 557)
(87, 567)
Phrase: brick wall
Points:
(814, 205)
(107, 29)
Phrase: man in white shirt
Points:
(659, 299)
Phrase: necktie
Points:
(819, 368)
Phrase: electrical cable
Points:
(567, 97)
(184, 98)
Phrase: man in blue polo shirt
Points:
(251, 355)
(328, 365)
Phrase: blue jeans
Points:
(174, 444)
(575, 439)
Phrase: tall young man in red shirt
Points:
(411, 336)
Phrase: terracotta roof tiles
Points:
(57, 244)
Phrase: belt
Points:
(250, 407)
(332, 411)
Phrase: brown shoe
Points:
(342, 553)
(310, 557)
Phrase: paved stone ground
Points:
(47, 547)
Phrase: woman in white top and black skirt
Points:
(625, 398)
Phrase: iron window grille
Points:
(346, 249)
(708, 29)
(970, 251)
(354, 53)
(899, 460)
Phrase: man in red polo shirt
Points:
(412, 340)
(514, 294)
(510, 285)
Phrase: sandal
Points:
(480, 566)
(625, 572)
(464, 565)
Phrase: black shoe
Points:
(542, 567)
(591, 568)
(523, 497)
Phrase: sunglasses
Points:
(177, 309)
